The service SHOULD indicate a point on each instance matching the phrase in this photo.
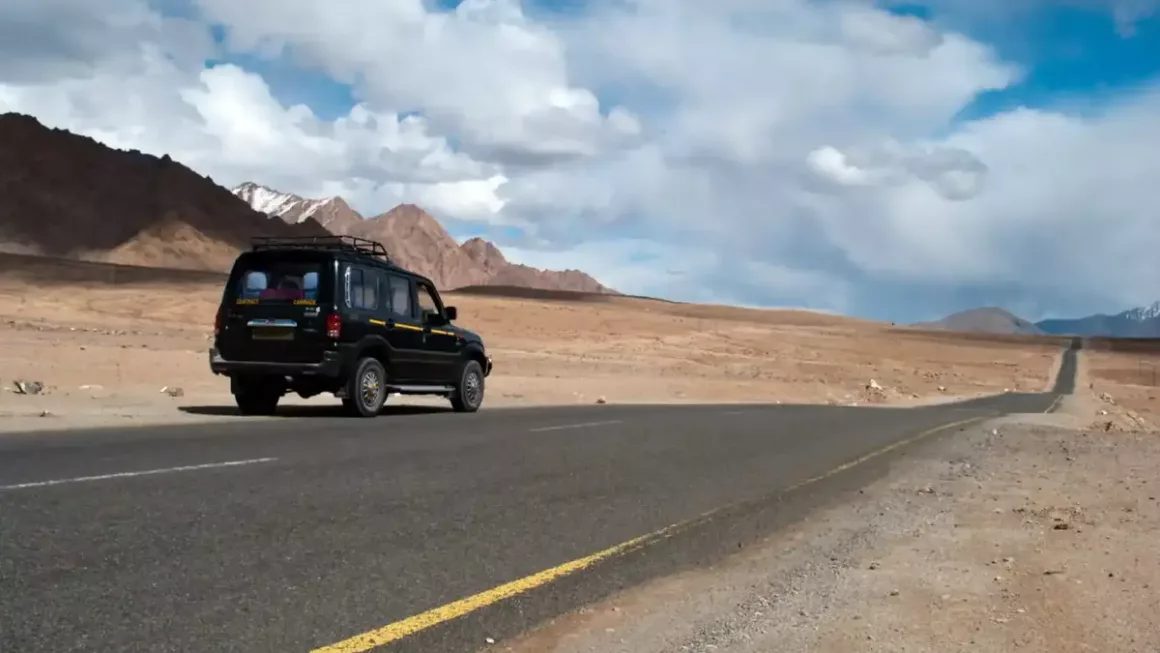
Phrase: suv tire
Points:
(468, 396)
(257, 400)
(366, 389)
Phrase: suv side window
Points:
(362, 288)
(427, 302)
(399, 289)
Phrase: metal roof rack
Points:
(351, 244)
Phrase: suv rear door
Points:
(405, 332)
(275, 305)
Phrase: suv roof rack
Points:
(351, 244)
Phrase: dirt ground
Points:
(1125, 385)
(106, 352)
(1030, 533)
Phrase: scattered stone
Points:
(173, 392)
(601, 400)
(874, 565)
(942, 388)
(873, 385)
(893, 592)
(1062, 526)
(27, 387)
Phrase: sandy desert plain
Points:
(112, 351)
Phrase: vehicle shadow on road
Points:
(314, 411)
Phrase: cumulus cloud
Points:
(746, 151)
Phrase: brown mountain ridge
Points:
(417, 241)
(69, 196)
(66, 195)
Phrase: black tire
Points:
(468, 395)
(257, 401)
(366, 389)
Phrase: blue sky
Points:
(1071, 55)
(1073, 59)
(831, 155)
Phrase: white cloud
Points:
(745, 150)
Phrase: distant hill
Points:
(984, 320)
(66, 195)
(1142, 322)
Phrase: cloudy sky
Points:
(887, 159)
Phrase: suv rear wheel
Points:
(366, 389)
(468, 395)
(257, 399)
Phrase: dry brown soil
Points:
(1030, 533)
(105, 351)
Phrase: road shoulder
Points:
(1028, 533)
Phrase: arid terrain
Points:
(106, 348)
(1028, 533)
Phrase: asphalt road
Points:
(323, 528)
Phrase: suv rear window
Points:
(280, 281)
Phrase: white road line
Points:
(147, 472)
(561, 427)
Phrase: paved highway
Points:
(304, 533)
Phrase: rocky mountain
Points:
(333, 212)
(1142, 322)
(417, 241)
(984, 320)
(66, 195)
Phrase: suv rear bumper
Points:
(329, 366)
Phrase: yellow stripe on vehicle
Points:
(442, 333)
(246, 302)
(304, 302)
(377, 322)
(409, 327)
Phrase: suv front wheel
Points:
(469, 390)
(366, 390)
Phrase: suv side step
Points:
(421, 389)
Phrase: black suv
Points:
(334, 314)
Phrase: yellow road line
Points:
(411, 625)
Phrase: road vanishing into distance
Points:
(415, 531)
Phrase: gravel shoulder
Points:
(1027, 533)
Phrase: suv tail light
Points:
(333, 326)
(217, 323)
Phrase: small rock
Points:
(173, 392)
(27, 387)
(942, 388)
(873, 385)
(873, 565)
(489, 640)
(601, 400)
(893, 592)
(1062, 526)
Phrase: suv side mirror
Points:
(451, 313)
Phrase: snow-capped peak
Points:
(1142, 313)
(287, 206)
